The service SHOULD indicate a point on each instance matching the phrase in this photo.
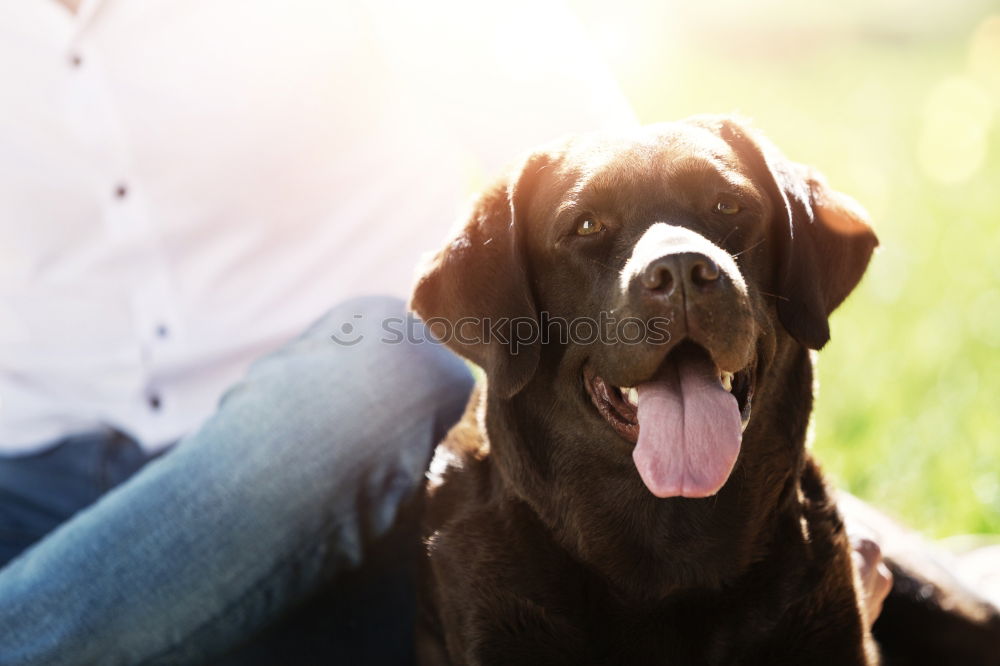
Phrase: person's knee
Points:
(400, 365)
(359, 320)
(321, 423)
(375, 337)
(364, 370)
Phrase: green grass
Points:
(909, 408)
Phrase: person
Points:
(184, 188)
(187, 187)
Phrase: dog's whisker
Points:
(747, 249)
(767, 293)
(731, 232)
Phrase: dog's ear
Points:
(475, 293)
(823, 237)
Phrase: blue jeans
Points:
(290, 484)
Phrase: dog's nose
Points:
(693, 270)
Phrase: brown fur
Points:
(544, 546)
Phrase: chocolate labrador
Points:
(631, 485)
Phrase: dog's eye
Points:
(727, 207)
(587, 225)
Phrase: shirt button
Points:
(121, 190)
(75, 59)
(154, 401)
(162, 331)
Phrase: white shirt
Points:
(185, 184)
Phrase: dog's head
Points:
(651, 275)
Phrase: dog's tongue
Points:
(689, 430)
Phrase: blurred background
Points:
(898, 103)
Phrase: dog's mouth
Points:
(686, 420)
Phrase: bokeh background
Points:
(898, 103)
